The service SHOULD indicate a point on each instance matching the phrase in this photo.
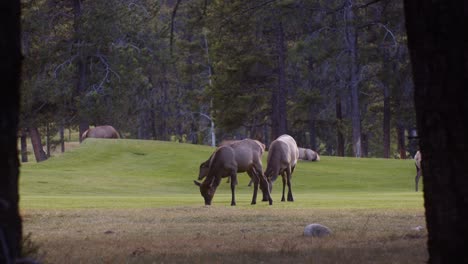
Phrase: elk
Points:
(308, 154)
(241, 156)
(100, 132)
(282, 159)
(206, 164)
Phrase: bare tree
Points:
(10, 68)
(439, 57)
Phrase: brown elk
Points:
(282, 159)
(241, 156)
(204, 166)
(100, 132)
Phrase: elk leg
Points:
(290, 196)
(254, 198)
(283, 176)
(253, 176)
(233, 187)
(264, 185)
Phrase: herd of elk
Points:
(237, 156)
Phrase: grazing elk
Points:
(308, 154)
(100, 132)
(241, 156)
(206, 164)
(417, 161)
(282, 159)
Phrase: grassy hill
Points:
(144, 174)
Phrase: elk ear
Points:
(197, 183)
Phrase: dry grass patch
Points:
(226, 235)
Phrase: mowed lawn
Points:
(134, 201)
(140, 174)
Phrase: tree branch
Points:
(171, 40)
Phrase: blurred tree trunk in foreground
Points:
(10, 68)
(439, 55)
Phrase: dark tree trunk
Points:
(386, 122)
(48, 140)
(352, 44)
(62, 138)
(37, 144)
(365, 145)
(312, 134)
(24, 145)
(339, 130)
(439, 55)
(10, 68)
(401, 141)
(80, 66)
(279, 118)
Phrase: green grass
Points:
(147, 174)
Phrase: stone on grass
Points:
(316, 230)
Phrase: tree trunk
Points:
(364, 145)
(339, 130)
(401, 141)
(281, 49)
(352, 44)
(279, 119)
(312, 133)
(48, 140)
(62, 138)
(439, 57)
(386, 121)
(24, 145)
(10, 68)
(210, 83)
(37, 144)
(80, 66)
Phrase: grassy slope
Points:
(141, 174)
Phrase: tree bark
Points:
(312, 133)
(62, 138)
(24, 145)
(439, 57)
(279, 118)
(401, 141)
(80, 65)
(37, 144)
(10, 68)
(339, 132)
(386, 121)
(48, 140)
(352, 45)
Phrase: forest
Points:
(333, 74)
